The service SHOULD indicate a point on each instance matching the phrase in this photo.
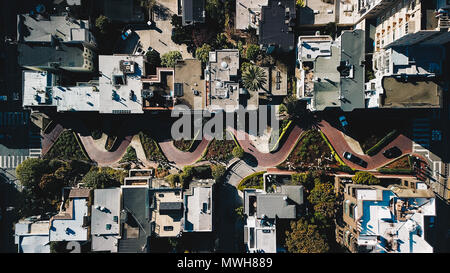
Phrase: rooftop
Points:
(105, 225)
(64, 28)
(120, 83)
(248, 13)
(193, 11)
(190, 84)
(32, 237)
(223, 86)
(277, 22)
(317, 13)
(415, 93)
(167, 205)
(70, 225)
(126, 11)
(45, 55)
(198, 207)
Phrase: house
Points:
(263, 210)
(135, 220)
(198, 206)
(120, 84)
(222, 86)
(72, 221)
(32, 236)
(332, 72)
(193, 11)
(276, 29)
(190, 84)
(166, 205)
(105, 220)
(248, 14)
(395, 219)
(158, 90)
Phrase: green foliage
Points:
(382, 143)
(254, 78)
(365, 178)
(304, 237)
(245, 66)
(151, 148)
(221, 41)
(238, 152)
(169, 59)
(103, 24)
(323, 192)
(218, 171)
(253, 181)
(130, 155)
(173, 179)
(202, 53)
(252, 52)
(148, 4)
(100, 179)
(66, 147)
(30, 171)
(240, 212)
(300, 3)
(153, 58)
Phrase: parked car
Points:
(392, 152)
(344, 122)
(355, 159)
(126, 33)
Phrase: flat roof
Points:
(35, 83)
(411, 94)
(317, 13)
(193, 11)
(247, 12)
(198, 209)
(168, 222)
(68, 55)
(188, 74)
(71, 229)
(38, 29)
(274, 205)
(116, 98)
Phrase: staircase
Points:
(444, 22)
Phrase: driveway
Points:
(159, 36)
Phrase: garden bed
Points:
(403, 165)
(151, 148)
(220, 150)
(67, 147)
(253, 181)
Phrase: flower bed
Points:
(403, 165)
(67, 147)
(151, 148)
(220, 150)
(253, 181)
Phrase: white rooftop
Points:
(199, 210)
(77, 98)
(35, 83)
(32, 237)
(71, 229)
(116, 86)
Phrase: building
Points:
(276, 28)
(319, 13)
(332, 72)
(158, 90)
(120, 84)
(166, 205)
(396, 219)
(135, 220)
(222, 86)
(65, 29)
(125, 11)
(248, 14)
(193, 11)
(263, 210)
(198, 206)
(190, 84)
(32, 236)
(105, 220)
(72, 221)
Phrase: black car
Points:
(392, 152)
(355, 159)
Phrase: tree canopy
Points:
(238, 152)
(202, 53)
(169, 59)
(218, 171)
(304, 237)
(103, 24)
(98, 179)
(252, 52)
(254, 78)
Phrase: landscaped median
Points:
(402, 165)
(342, 166)
(67, 147)
(151, 148)
(253, 181)
(281, 137)
(187, 145)
(382, 143)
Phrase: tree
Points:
(218, 171)
(148, 3)
(221, 41)
(30, 172)
(202, 53)
(365, 178)
(238, 152)
(169, 59)
(240, 212)
(99, 180)
(305, 238)
(323, 192)
(173, 179)
(153, 58)
(252, 52)
(103, 24)
(301, 3)
(254, 78)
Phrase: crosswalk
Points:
(12, 161)
(421, 132)
(14, 119)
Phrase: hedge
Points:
(395, 171)
(285, 129)
(382, 143)
(242, 184)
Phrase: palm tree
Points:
(254, 78)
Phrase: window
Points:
(351, 210)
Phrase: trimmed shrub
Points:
(382, 143)
(253, 181)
